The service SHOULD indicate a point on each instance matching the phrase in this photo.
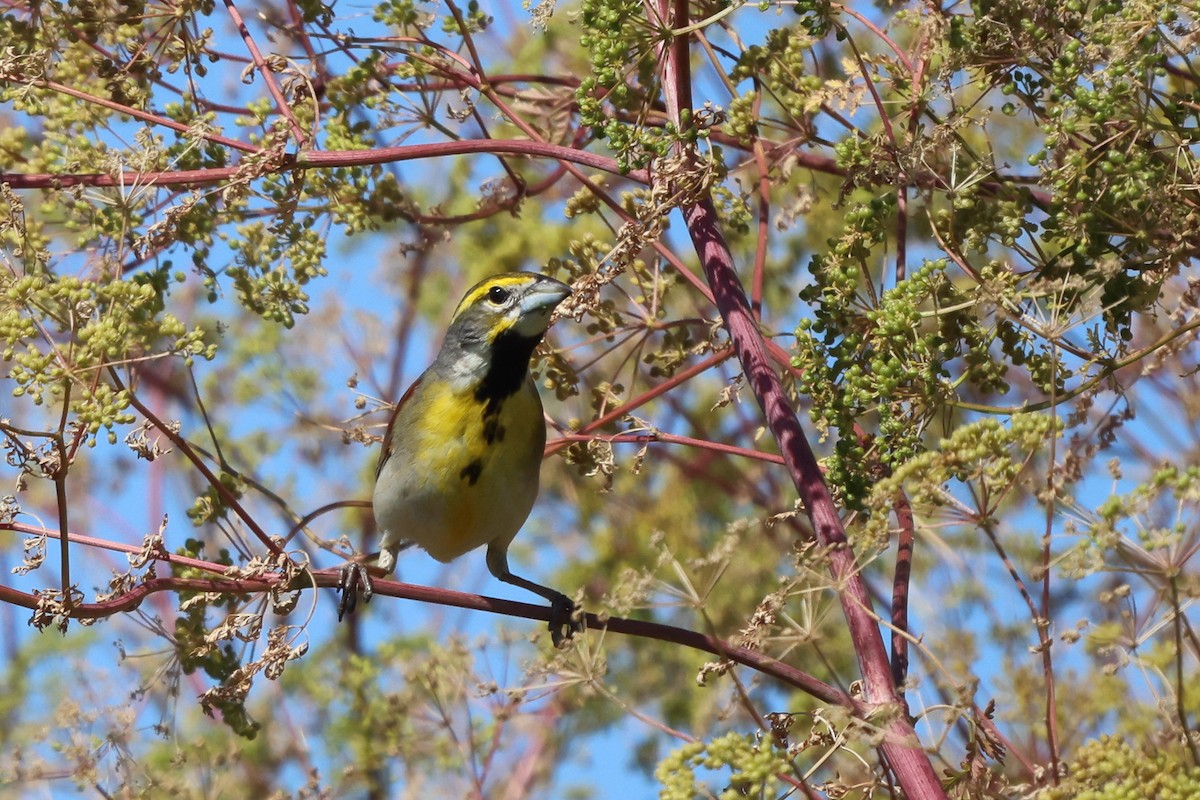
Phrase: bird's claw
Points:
(566, 620)
(352, 577)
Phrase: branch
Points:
(900, 587)
(679, 378)
(670, 438)
(227, 497)
(268, 75)
(145, 116)
(314, 159)
(330, 579)
(912, 767)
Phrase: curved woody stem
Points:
(911, 766)
(320, 579)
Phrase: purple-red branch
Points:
(312, 159)
(670, 438)
(900, 584)
(268, 76)
(912, 767)
(678, 378)
(427, 594)
(901, 748)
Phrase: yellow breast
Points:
(478, 470)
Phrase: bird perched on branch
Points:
(463, 451)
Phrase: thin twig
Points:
(680, 377)
(315, 159)
(1180, 691)
(268, 76)
(764, 220)
(185, 447)
(670, 438)
(330, 579)
(900, 586)
(60, 492)
(145, 116)
(1045, 641)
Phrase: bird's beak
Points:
(543, 296)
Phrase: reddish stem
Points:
(328, 579)
(883, 37)
(764, 221)
(901, 748)
(145, 116)
(900, 584)
(679, 377)
(670, 438)
(268, 76)
(912, 767)
(313, 159)
(227, 497)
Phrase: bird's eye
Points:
(497, 295)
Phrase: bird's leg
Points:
(353, 576)
(565, 621)
(356, 575)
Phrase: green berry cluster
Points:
(620, 45)
(816, 17)
(978, 217)
(1125, 523)
(733, 209)
(261, 276)
(1091, 76)
(475, 21)
(778, 68)
(870, 361)
(210, 505)
(108, 321)
(753, 763)
(407, 16)
(988, 455)
(1109, 768)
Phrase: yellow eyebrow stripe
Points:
(485, 286)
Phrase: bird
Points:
(462, 456)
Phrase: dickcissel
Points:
(463, 451)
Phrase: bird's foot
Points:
(353, 578)
(566, 620)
